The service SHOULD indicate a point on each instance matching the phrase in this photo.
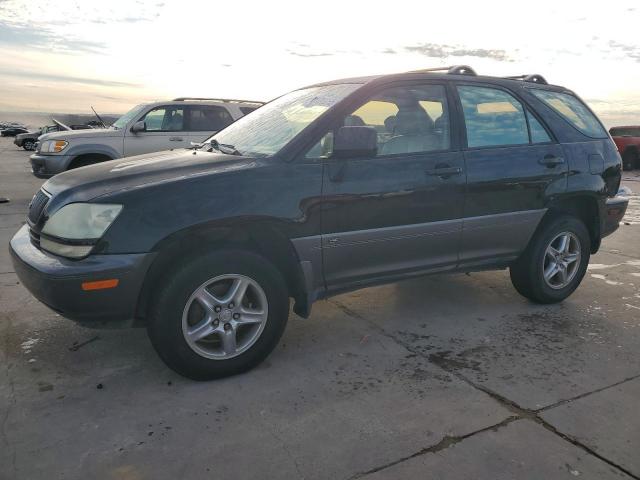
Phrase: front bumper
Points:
(57, 281)
(17, 142)
(615, 209)
(45, 166)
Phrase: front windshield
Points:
(126, 118)
(269, 128)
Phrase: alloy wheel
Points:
(224, 316)
(561, 260)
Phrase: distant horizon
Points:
(114, 55)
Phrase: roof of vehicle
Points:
(624, 126)
(206, 101)
(457, 72)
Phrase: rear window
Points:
(625, 132)
(572, 110)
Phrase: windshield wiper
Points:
(224, 148)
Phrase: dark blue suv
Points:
(326, 189)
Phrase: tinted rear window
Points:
(572, 110)
(625, 132)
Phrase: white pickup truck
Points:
(146, 128)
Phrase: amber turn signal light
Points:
(100, 284)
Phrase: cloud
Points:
(436, 50)
(310, 54)
(23, 35)
(631, 51)
(33, 75)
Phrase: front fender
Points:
(92, 148)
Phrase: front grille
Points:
(36, 207)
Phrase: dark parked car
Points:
(627, 139)
(28, 140)
(12, 131)
(326, 189)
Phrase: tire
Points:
(29, 145)
(629, 160)
(528, 272)
(176, 310)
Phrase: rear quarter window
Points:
(573, 111)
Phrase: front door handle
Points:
(551, 161)
(175, 139)
(444, 172)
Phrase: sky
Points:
(68, 55)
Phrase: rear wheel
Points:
(29, 144)
(629, 160)
(555, 261)
(219, 315)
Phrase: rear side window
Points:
(572, 110)
(246, 110)
(538, 133)
(492, 117)
(208, 118)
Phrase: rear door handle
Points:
(551, 161)
(175, 139)
(444, 171)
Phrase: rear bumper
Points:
(57, 282)
(614, 210)
(45, 166)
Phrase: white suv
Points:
(146, 128)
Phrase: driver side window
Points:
(165, 119)
(408, 119)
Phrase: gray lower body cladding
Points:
(354, 259)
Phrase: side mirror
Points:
(138, 127)
(355, 142)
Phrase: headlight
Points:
(53, 146)
(74, 229)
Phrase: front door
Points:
(513, 166)
(165, 129)
(398, 212)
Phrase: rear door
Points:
(513, 166)
(398, 212)
(205, 120)
(165, 129)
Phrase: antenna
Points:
(98, 116)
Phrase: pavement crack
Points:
(518, 412)
(446, 442)
(586, 394)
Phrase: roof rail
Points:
(452, 70)
(225, 100)
(531, 78)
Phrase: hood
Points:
(88, 133)
(87, 183)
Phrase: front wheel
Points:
(29, 145)
(555, 262)
(219, 315)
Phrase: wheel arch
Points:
(582, 206)
(79, 160)
(261, 238)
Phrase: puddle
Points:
(607, 281)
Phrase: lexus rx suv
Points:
(329, 188)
